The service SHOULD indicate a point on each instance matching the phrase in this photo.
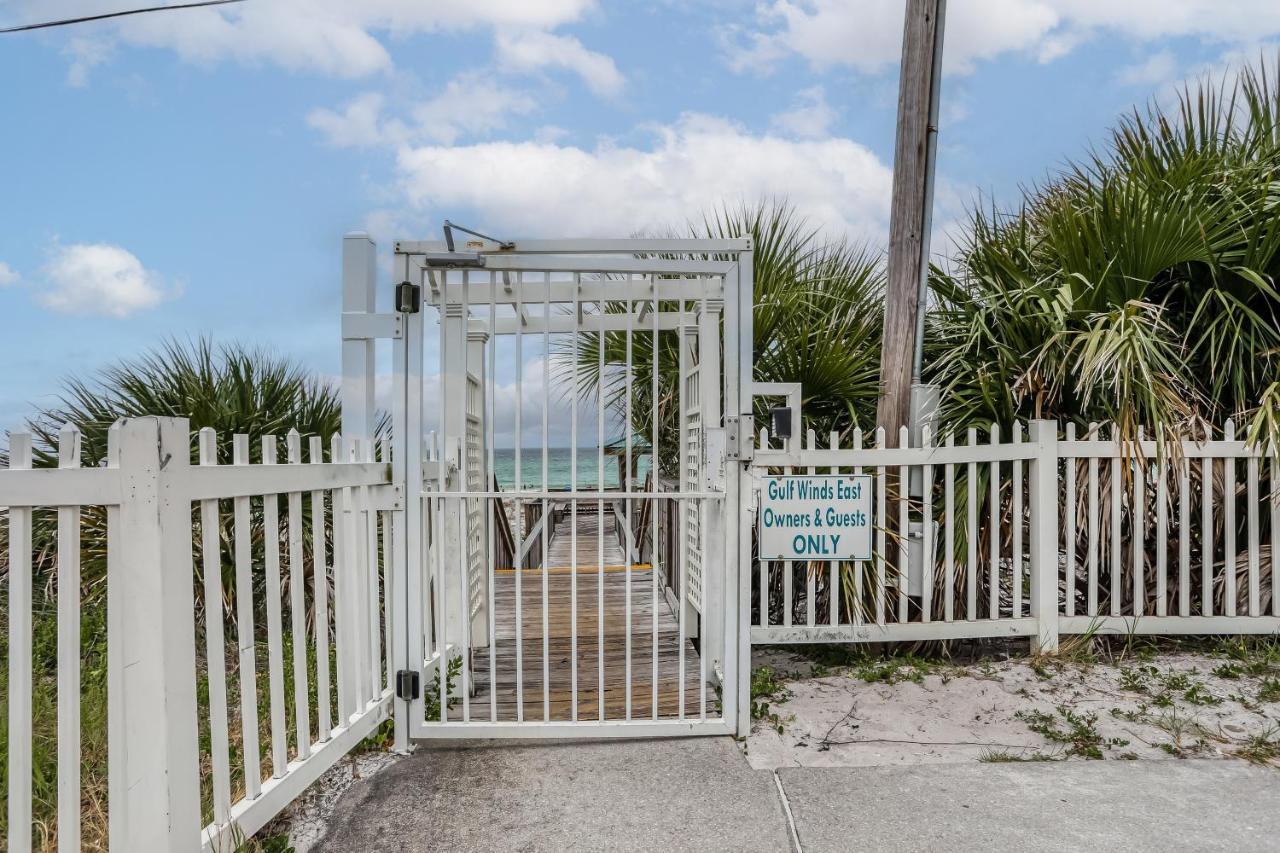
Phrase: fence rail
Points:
(1037, 533)
(201, 565)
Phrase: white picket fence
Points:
(1035, 534)
(1192, 556)
(1028, 536)
(257, 537)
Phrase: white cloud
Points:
(1154, 70)
(532, 51)
(541, 188)
(98, 278)
(809, 117)
(86, 54)
(335, 37)
(1238, 20)
(359, 124)
(469, 105)
(867, 35)
(8, 275)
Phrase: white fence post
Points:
(1043, 494)
(359, 275)
(154, 755)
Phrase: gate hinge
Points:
(741, 445)
(408, 684)
(408, 298)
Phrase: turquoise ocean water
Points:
(559, 468)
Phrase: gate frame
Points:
(556, 256)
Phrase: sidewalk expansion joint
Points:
(786, 810)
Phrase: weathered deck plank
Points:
(593, 625)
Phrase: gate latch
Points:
(408, 298)
(408, 684)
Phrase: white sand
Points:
(961, 713)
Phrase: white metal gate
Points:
(544, 595)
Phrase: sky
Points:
(192, 172)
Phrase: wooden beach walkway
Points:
(591, 636)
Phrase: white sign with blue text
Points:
(816, 517)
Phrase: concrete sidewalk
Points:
(1135, 806)
(694, 794)
(700, 795)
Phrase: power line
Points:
(66, 21)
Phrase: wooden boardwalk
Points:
(551, 697)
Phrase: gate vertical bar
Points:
(547, 506)
(656, 550)
(490, 415)
(600, 510)
(626, 488)
(573, 506)
(519, 487)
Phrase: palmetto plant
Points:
(231, 389)
(1137, 288)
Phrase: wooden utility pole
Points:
(909, 215)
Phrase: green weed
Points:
(767, 688)
(1078, 733)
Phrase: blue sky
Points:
(192, 172)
